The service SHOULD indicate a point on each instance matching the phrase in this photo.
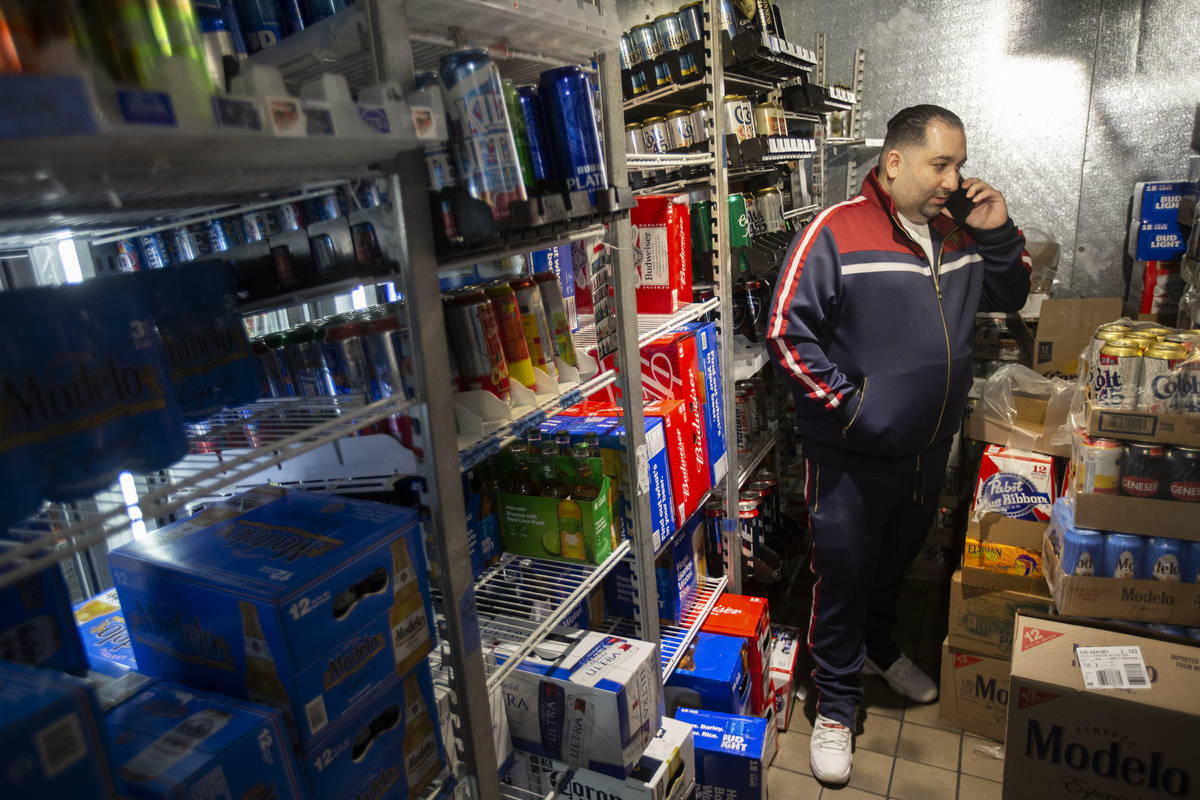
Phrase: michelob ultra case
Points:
(302, 602)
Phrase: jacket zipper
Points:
(862, 398)
(935, 270)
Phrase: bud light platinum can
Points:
(1118, 375)
(480, 132)
(1082, 551)
(654, 135)
(566, 95)
(1158, 385)
(1165, 560)
(1123, 555)
(262, 24)
(156, 254)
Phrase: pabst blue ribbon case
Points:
(54, 742)
(172, 741)
(105, 634)
(1016, 483)
(731, 754)
(303, 602)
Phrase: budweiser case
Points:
(1068, 737)
(662, 253)
(671, 371)
(303, 602)
(596, 705)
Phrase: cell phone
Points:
(959, 205)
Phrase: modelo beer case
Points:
(105, 635)
(36, 626)
(303, 602)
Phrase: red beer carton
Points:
(662, 253)
(688, 483)
(671, 371)
(747, 618)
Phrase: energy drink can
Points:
(691, 21)
(1082, 551)
(540, 154)
(679, 129)
(646, 44)
(535, 324)
(669, 32)
(556, 313)
(1123, 555)
(1165, 560)
(1118, 375)
(512, 332)
(1099, 465)
(474, 334)
(1158, 384)
(480, 131)
(566, 95)
(654, 135)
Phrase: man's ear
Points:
(891, 164)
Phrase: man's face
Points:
(922, 176)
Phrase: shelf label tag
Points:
(139, 107)
(236, 112)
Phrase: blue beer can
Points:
(1192, 575)
(290, 216)
(646, 44)
(262, 23)
(293, 18)
(128, 259)
(316, 10)
(258, 225)
(535, 129)
(1082, 550)
(1166, 560)
(485, 152)
(670, 32)
(218, 241)
(183, 246)
(691, 21)
(322, 208)
(1123, 555)
(626, 51)
(566, 95)
(728, 22)
(155, 252)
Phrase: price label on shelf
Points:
(1112, 667)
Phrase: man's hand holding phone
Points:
(976, 205)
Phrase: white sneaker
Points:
(829, 751)
(906, 679)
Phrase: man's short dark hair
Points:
(908, 126)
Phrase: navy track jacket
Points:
(874, 340)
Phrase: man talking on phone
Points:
(871, 324)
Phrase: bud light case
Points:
(1016, 483)
(732, 753)
(85, 397)
(208, 356)
(303, 602)
(105, 635)
(36, 626)
(55, 743)
(391, 745)
(173, 741)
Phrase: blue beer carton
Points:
(708, 353)
(1156, 235)
(389, 747)
(731, 754)
(171, 741)
(105, 634)
(674, 575)
(302, 602)
(52, 743)
(712, 675)
(36, 625)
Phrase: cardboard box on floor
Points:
(1031, 430)
(974, 691)
(998, 529)
(1066, 740)
(982, 618)
(1113, 598)
(1145, 515)
(1144, 426)
(1065, 326)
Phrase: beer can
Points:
(1165, 559)
(1142, 467)
(304, 354)
(742, 417)
(442, 174)
(1082, 551)
(662, 75)
(1099, 465)
(1123, 555)
(475, 342)
(316, 10)
(1186, 399)
(766, 508)
(544, 168)
(567, 103)
(691, 21)
(700, 123)
(728, 21)
(290, 216)
(670, 32)
(637, 81)
(758, 301)
(777, 120)
(679, 129)
(385, 372)
(183, 247)
(262, 23)
(1158, 384)
(346, 357)
(750, 523)
(646, 44)
(1159, 332)
(1181, 467)
(764, 122)
(687, 65)
(1109, 332)
(1193, 574)
(485, 153)
(512, 332)
(654, 135)
(771, 481)
(516, 118)
(1118, 375)
(714, 512)
(154, 250)
(742, 322)
(739, 221)
(556, 312)
(536, 324)
(701, 224)
(275, 342)
(272, 380)
(128, 259)
(626, 51)
(758, 225)
(633, 139)
(770, 207)
(739, 116)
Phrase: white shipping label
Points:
(1112, 667)
(650, 257)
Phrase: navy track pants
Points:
(867, 527)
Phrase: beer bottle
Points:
(521, 483)
(593, 441)
(563, 440)
(262, 680)
(533, 459)
(553, 483)
(583, 489)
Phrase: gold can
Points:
(1117, 377)
(1143, 338)
(764, 123)
(1158, 331)
(1105, 334)
(1157, 387)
